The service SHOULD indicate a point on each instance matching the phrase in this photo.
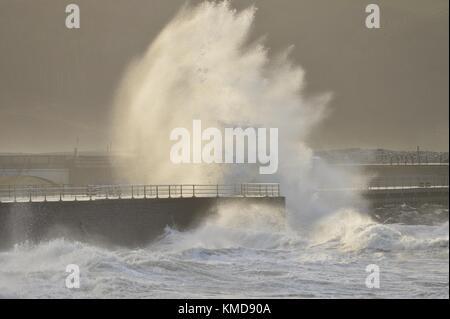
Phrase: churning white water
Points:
(256, 258)
(201, 66)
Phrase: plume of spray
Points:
(203, 66)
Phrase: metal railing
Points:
(408, 181)
(422, 182)
(96, 192)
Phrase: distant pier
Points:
(377, 197)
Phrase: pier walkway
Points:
(10, 194)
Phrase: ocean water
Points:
(239, 255)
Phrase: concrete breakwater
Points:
(113, 222)
(376, 197)
(414, 196)
(133, 216)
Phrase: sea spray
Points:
(203, 66)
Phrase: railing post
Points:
(181, 190)
(217, 190)
(193, 190)
(145, 191)
(15, 194)
(169, 191)
(157, 191)
(132, 191)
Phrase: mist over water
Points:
(202, 66)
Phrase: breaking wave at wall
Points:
(203, 66)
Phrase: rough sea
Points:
(239, 256)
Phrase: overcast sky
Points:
(390, 85)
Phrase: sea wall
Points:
(113, 222)
(413, 196)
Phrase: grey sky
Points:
(390, 85)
